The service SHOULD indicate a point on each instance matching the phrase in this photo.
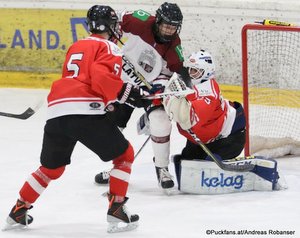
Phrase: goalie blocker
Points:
(205, 177)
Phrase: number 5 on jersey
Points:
(73, 66)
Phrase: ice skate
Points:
(102, 177)
(18, 217)
(119, 218)
(165, 179)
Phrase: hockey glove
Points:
(156, 88)
(132, 96)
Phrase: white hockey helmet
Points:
(200, 66)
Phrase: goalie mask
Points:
(200, 66)
(102, 19)
(168, 20)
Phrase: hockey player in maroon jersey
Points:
(153, 46)
(217, 122)
(77, 112)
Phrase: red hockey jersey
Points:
(90, 78)
(211, 116)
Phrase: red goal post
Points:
(271, 84)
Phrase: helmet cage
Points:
(168, 13)
(201, 66)
(195, 73)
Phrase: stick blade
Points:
(28, 113)
(238, 167)
(25, 115)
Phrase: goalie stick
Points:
(23, 116)
(218, 161)
(176, 85)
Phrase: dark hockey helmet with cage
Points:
(102, 19)
(168, 13)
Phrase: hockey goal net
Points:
(271, 89)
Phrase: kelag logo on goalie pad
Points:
(205, 177)
(222, 181)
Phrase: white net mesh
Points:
(274, 84)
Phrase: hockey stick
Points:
(23, 116)
(142, 147)
(218, 161)
(164, 94)
(141, 77)
(99, 177)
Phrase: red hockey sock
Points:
(120, 174)
(38, 182)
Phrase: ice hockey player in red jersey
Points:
(77, 112)
(217, 122)
(153, 46)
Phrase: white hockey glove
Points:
(177, 87)
(176, 105)
(178, 110)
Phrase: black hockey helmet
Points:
(103, 19)
(168, 13)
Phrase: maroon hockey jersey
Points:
(141, 23)
(154, 61)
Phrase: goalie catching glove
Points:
(175, 104)
(132, 96)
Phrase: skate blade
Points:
(169, 191)
(12, 225)
(101, 184)
(115, 227)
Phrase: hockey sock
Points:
(37, 182)
(120, 174)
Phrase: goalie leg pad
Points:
(265, 168)
(205, 177)
(177, 163)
